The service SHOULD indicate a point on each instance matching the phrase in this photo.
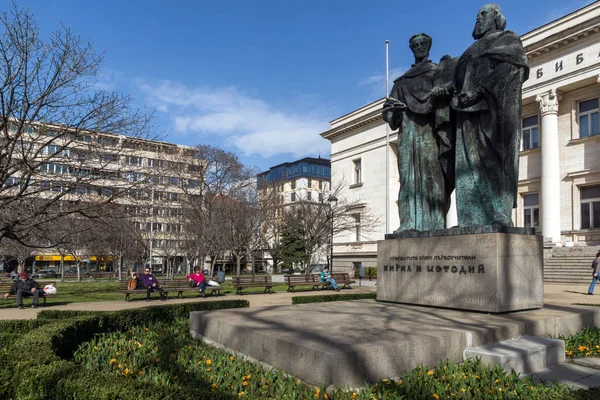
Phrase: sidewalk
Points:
(256, 300)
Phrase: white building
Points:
(559, 175)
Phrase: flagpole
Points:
(387, 145)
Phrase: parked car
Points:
(44, 273)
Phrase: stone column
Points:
(550, 196)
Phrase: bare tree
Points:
(317, 221)
(120, 239)
(20, 252)
(215, 206)
(57, 157)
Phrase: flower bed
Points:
(148, 353)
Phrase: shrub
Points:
(36, 365)
(583, 343)
(332, 297)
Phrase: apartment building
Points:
(149, 180)
(304, 180)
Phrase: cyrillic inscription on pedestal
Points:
(491, 272)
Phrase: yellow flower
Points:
(120, 366)
(95, 347)
(214, 386)
(118, 354)
(497, 380)
(463, 390)
(208, 369)
(430, 372)
(325, 396)
(317, 393)
(245, 383)
(112, 360)
(399, 382)
(140, 373)
(241, 394)
(353, 395)
(208, 362)
(125, 371)
(500, 389)
(436, 397)
(231, 358)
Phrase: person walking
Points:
(595, 273)
(25, 286)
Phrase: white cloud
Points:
(245, 122)
(107, 79)
(376, 82)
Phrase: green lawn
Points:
(92, 291)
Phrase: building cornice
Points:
(352, 125)
(562, 32)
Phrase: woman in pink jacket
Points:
(197, 279)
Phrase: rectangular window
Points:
(588, 118)
(531, 211)
(530, 133)
(154, 163)
(320, 197)
(309, 184)
(590, 207)
(133, 160)
(172, 196)
(320, 185)
(356, 227)
(293, 196)
(357, 171)
(294, 184)
(309, 195)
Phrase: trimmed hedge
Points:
(332, 297)
(36, 365)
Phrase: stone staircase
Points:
(570, 265)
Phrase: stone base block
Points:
(487, 272)
(524, 355)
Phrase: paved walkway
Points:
(583, 374)
(256, 300)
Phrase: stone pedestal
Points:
(487, 272)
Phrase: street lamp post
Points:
(331, 199)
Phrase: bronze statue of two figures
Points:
(459, 127)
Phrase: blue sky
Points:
(263, 78)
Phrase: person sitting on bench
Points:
(25, 286)
(150, 283)
(326, 277)
(197, 279)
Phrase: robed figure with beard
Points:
(487, 101)
(425, 160)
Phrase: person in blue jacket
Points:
(326, 277)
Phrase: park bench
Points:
(242, 282)
(302, 280)
(123, 289)
(179, 285)
(343, 281)
(183, 285)
(6, 285)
